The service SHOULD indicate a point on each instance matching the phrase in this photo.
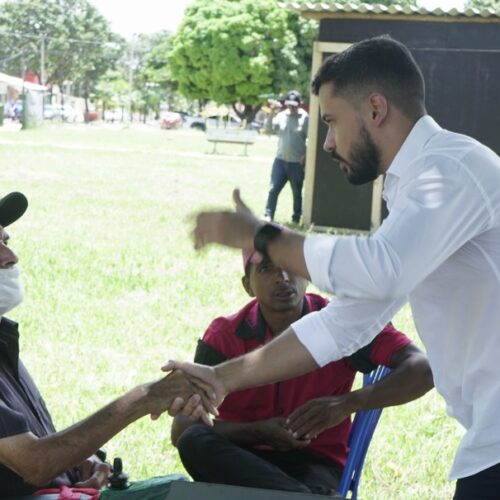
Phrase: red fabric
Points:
(230, 336)
(386, 343)
(68, 493)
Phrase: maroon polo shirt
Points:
(22, 409)
(247, 330)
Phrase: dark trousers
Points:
(281, 173)
(484, 485)
(211, 458)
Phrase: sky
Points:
(142, 16)
(149, 16)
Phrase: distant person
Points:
(250, 444)
(291, 127)
(32, 454)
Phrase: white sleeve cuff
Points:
(311, 334)
(343, 327)
(318, 252)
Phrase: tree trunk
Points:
(86, 100)
(248, 113)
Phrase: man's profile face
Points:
(273, 287)
(348, 140)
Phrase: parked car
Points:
(213, 121)
(91, 116)
(57, 112)
(216, 121)
(68, 113)
(113, 115)
(171, 119)
(195, 122)
(14, 109)
(50, 112)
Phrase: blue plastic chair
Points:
(361, 434)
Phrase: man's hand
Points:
(200, 374)
(318, 415)
(178, 391)
(233, 229)
(273, 433)
(92, 473)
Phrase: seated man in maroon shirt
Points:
(32, 453)
(249, 444)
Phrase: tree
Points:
(484, 4)
(69, 38)
(111, 91)
(157, 70)
(236, 51)
(146, 93)
(306, 32)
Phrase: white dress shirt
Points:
(439, 249)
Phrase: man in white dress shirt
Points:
(439, 249)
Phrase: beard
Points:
(364, 163)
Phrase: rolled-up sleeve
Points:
(433, 216)
(318, 253)
(343, 327)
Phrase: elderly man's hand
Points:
(233, 229)
(180, 391)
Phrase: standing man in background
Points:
(291, 127)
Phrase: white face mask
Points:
(11, 289)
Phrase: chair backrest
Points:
(361, 434)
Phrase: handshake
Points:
(196, 390)
(191, 389)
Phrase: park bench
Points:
(231, 135)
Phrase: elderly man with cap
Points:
(32, 453)
(291, 127)
(250, 444)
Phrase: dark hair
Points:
(379, 64)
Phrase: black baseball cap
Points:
(12, 207)
(293, 98)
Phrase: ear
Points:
(378, 108)
(246, 285)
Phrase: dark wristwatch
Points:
(264, 234)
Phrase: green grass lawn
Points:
(114, 288)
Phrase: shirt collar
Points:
(418, 137)
(255, 327)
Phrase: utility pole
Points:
(130, 77)
(42, 60)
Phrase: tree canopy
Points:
(485, 4)
(233, 51)
(75, 39)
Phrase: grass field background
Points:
(114, 288)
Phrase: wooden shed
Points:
(459, 54)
